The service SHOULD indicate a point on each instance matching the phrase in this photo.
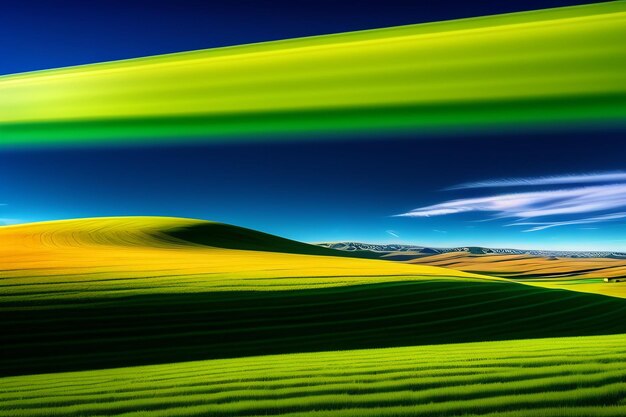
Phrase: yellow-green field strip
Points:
(546, 377)
(109, 292)
(532, 68)
(48, 334)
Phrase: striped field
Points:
(99, 293)
(577, 274)
(80, 299)
(571, 377)
(104, 257)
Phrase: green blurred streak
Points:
(541, 68)
(280, 125)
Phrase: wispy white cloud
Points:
(589, 220)
(439, 231)
(599, 177)
(392, 233)
(527, 205)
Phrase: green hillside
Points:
(93, 295)
(571, 377)
(227, 236)
(49, 334)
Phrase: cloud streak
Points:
(528, 205)
(590, 220)
(600, 177)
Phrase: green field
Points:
(90, 296)
(522, 378)
(57, 336)
(142, 316)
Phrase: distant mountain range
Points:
(402, 252)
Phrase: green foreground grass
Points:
(583, 376)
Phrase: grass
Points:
(49, 335)
(584, 376)
(98, 293)
(81, 298)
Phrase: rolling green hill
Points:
(98, 293)
(570, 377)
(47, 335)
(227, 236)
(157, 232)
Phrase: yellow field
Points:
(135, 255)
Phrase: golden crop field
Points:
(138, 255)
(577, 274)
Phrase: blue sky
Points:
(40, 34)
(554, 190)
(349, 189)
